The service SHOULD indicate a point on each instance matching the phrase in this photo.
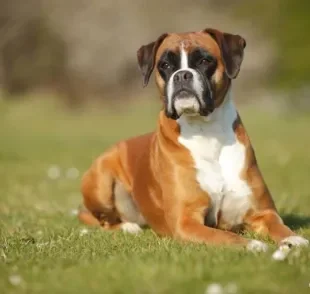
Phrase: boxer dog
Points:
(195, 177)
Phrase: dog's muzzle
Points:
(189, 95)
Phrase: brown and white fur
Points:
(196, 177)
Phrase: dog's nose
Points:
(183, 76)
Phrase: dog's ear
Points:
(232, 48)
(146, 58)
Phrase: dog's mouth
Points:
(184, 93)
(186, 101)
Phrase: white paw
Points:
(257, 246)
(131, 228)
(294, 241)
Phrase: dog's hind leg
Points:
(88, 218)
(106, 201)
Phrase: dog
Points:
(195, 178)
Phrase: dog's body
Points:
(196, 177)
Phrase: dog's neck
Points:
(218, 125)
(206, 138)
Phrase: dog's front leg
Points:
(190, 227)
(268, 222)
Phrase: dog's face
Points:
(193, 70)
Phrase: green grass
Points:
(41, 241)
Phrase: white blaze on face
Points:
(189, 104)
(184, 59)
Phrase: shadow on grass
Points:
(295, 221)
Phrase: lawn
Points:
(44, 249)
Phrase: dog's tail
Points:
(86, 217)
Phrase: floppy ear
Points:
(146, 58)
(232, 47)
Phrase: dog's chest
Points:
(219, 160)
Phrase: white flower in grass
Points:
(72, 173)
(281, 253)
(214, 288)
(74, 212)
(83, 232)
(15, 279)
(53, 172)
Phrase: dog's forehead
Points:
(189, 42)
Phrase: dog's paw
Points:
(257, 246)
(294, 241)
(131, 228)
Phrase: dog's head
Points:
(193, 70)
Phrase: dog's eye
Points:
(165, 65)
(205, 61)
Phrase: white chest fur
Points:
(219, 159)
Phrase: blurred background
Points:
(82, 51)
